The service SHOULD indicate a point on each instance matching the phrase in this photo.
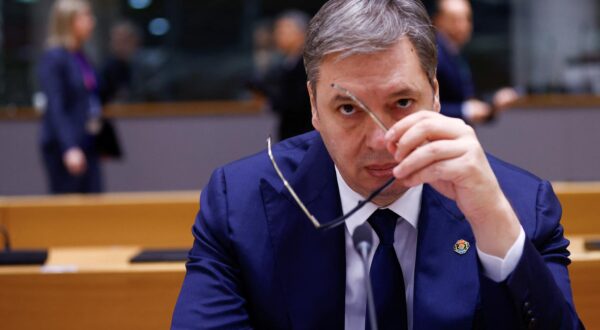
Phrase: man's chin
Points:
(389, 194)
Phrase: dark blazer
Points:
(257, 261)
(285, 87)
(64, 121)
(454, 78)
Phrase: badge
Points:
(461, 246)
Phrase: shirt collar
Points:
(407, 206)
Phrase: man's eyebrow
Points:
(404, 91)
(339, 98)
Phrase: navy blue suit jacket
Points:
(454, 78)
(258, 262)
(64, 122)
(68, 101)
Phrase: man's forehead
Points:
(399, 57)
(363, 51)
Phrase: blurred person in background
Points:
(285, 84)
(264, 58)
(454, 23)
(117, 72)
(264, 54)
(71, 119)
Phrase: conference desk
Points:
(97, 288)
(148, 219)
(581, 206)
(93, 286)
(89, 288)
(164, 219)
(585, 280)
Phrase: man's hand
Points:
(477, 111)
(445, 153)
(74, 160)
(504, 97)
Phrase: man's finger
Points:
(428, 154)
(425, 131)
(444, 170)
(421, 127)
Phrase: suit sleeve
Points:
(53, 84)
(537, 295)
(212, 295)
(452, 109)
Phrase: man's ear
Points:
(436, 96)
(313, 106)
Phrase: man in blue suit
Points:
(474, 242)
(453, 20)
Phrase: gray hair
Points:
(350, 27)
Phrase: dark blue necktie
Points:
(386, 275)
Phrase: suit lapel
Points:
(310, 263)
(446, 283)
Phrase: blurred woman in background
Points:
(71, 119)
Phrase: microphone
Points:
(19, 257)
(363, 242)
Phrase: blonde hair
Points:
(60, 27)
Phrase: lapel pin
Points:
(461, 246)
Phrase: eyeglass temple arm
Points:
(315, 222)
(341, 220)
(362, 105)
(312, 219)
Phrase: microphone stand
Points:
(363, 238)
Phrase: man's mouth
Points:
(381, 170)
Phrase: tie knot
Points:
(383, 222)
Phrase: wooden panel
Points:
(144, 219)
(585, 281)
(89, 288)
(96, 288)
(581, 207)
(154, 109)
(193, 108)
(164, 219)
(88, 300)
(550, 101)
(234, 107)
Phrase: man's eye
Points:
(404, 103)
(347, 109)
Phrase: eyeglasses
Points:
(339, 220)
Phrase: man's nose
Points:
(375, 136)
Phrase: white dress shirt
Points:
(408, 207)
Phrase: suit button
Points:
(529, 313)
(532, 323)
